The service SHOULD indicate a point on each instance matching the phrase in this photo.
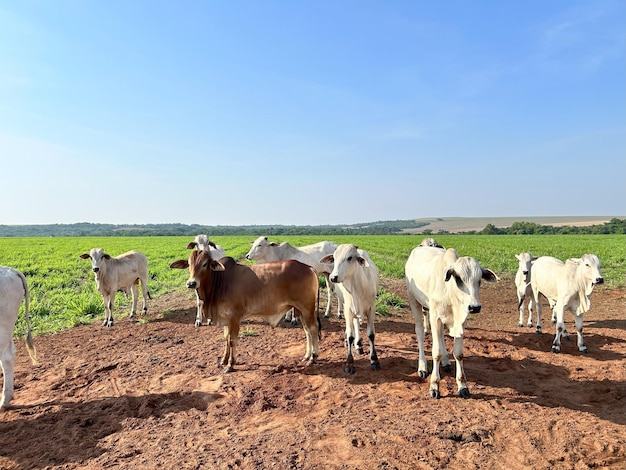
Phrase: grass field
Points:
(63, 292)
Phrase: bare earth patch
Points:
(151, 395)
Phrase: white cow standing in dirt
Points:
(522, 283)
(120, 273)
(356, 275)
(447, 286)
(263, 251)
(13, 288)
(202, 242)
(568, 285)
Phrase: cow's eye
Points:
(349, 258)
(204, 265)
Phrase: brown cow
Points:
(232, 292)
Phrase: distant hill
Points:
(488, 225)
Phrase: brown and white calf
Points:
(13, 289)
(123, 272)
(447, 286)
(232, 292)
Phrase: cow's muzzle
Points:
(600, 280)
(334, 278)
(95, 270)
(192, 284)
(474, 308)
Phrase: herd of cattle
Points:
(442, 288)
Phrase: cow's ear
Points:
(192, 245)
(518, 257)
(489, 275)
(328, 259)
(533, 258)
(180, 264)
(362, 261)
(106, 256)
(449, 273)
(85, 256)
(217, 266)
(212, 244)
(273, 244)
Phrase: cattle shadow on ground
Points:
(67, 433)
(543, 343)
(608, 324)
(548, 385)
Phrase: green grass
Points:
(63, 292)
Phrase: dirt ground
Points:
(150, 395)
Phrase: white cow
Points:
(263, 250)
(13, 288)
(568, 285)
(428, 242)
(202, 242)
(522, 283)
(356, 276)
(447, 286)
(119, 273)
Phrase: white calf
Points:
(13, 288)
(263, 251)
(119, 273)
(447, 286)
(522, 283)
(568, 285)
(357, 277)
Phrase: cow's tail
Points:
(521, 301)
(30, 346)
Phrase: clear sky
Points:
(310, 112)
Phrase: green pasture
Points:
(63, 292)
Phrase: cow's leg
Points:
(329, 296)
(145, 295)
(199, 316)
(560, 326)
(371, 334)
(425, 320)
(233, 339)
(135, 292)
(531, 306)
(108, 309)
(350, 322)
(579, 332)
(418, 318)
(437, 332)
(537, 302)
(460, 372)
(226, 355)
(445, 357)
(7, 361)
(520, 307)
(311, 330)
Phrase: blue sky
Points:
(310, 112)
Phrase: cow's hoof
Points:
(530, 325)
(107, 323)
(584, 351)
(294, 322)
(198, 323)
(520, 324)
(375, 365)
(350, 369)
(464, 393)
(435, 394)
(422, 374)
(228, 369)
(556, 349)
(360, 350)
(447, 368)
(538, 330)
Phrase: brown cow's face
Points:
(201, 267)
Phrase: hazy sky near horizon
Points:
(310, 112)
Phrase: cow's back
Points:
(545, 275)
(425, 272)
(11, 295)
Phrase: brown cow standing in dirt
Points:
(232, 292)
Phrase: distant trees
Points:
(614, 226)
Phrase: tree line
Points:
(390, 227)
